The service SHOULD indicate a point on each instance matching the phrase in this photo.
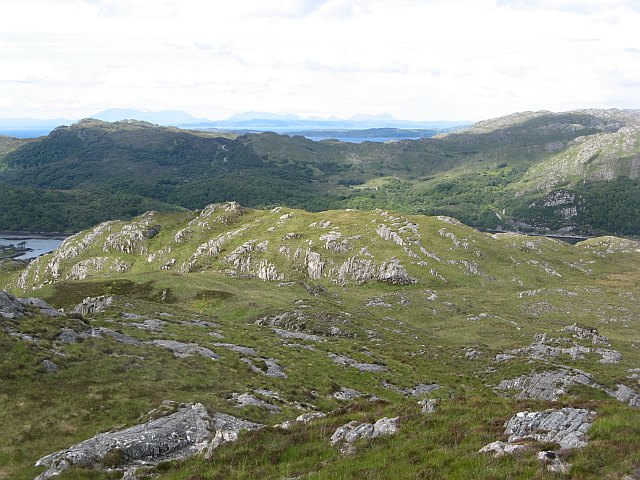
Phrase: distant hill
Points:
(534, 171)
(164, 117)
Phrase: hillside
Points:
(534, 171)
(231, 322)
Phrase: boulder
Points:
(187, 431)
(347, 434)
(566, 427)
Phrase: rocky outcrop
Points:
(93, 305)
(567, 427)
(350, 362)
(553, 384)
(266, 366)
(182, 350)
(363, 270)
(349, 433)
(188, 431)
(545, 347)
(546, 385)
(305, 418)
(248, 400)
(12, 307)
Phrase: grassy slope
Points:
(102, 384)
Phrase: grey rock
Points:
(553, 462)
(304, 418)
(12, 307)
(68, 336)
(227, 428)
(93, 305)
(238, 348)
(150, 324)
(117, 336)
(422, 389)
(626, 395)
(546, 385)
(500, 449)
(248, 400)
(353, 431)
(182, 350)
(49, 366)
(566, 427)
(308, 417)
(346, 394)
(429, 405)
(297, 335)
(41, 305)
(551, 385)
(272, 369)
(350, 362)
(175, 436)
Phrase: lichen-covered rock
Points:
(248, 400)
(188, 431)
(179, 435)
(12, 307)
(350, 362)
(567, 427)
(500, 449)
(93, 305)
(546, 385)
(180, 349)
(429, 405)
(353, 431)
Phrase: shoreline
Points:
(21, 235)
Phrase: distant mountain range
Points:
(247, 121)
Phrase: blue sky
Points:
(414, 59)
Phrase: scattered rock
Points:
(429, 405)
(500, 449)
(12, 307)
(93, 305)
(546, 385)
(346, 394)
(248, 400)
(175, 436)
(297, 335)
(566, 427)
(350, 362)
(271, 367)
(238, 348)
(49, 366)
(182, 350)
(353, 431)
(553, 462)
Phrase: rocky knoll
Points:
(190, 430)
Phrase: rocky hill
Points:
(281, 343)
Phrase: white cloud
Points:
(416, 59)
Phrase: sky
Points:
(413, 59)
